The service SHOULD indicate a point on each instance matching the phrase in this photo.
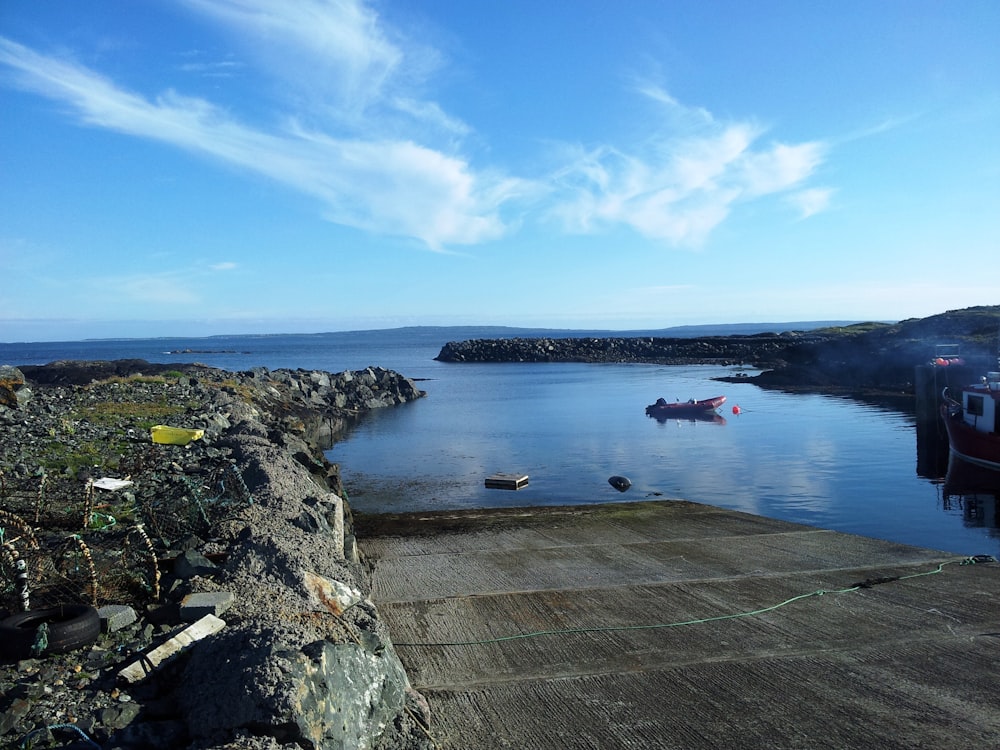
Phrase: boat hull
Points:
(974, 446)
(965, 478)
(685, 409)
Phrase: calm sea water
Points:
(825, 461)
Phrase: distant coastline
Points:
(866, 357)
(497, 331)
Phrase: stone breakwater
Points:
(304, 659)
(764, 349)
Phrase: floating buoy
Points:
(620, 483)
(737, 409)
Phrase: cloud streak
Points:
(370, 185)
(685, 179)
(367, 156)
(341, 45)
(812, 201)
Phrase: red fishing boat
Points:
(684, 409)
(973, 423)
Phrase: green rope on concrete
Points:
(657, 626)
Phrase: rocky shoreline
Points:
(303, 659)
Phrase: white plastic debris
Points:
(108, 483)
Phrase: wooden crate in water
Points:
(506, 481)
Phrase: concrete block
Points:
(335, 517)
(204, 627)
(196, 606)
(114, 617)
(351, 548)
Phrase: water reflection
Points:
(974, 492)
(932, 450)
(710, 417)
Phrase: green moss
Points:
(58, 458)
(112, 412)
(851, 330)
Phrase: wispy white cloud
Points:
(684, 180)
(154, 291)
(166, 291)
(812, 201)
(886, 125)
(671, 107)
(391, 186)
(776, 168)
(339, 64)
(336, 54)
(431, 113)
(212, 69)
(163, 291)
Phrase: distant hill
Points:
(686, 331)
(883, 356)
(749, 329)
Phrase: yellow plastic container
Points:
(174, 435)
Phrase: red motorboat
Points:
(664, 409)
(973, 423)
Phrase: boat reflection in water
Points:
(974, 490)
(693, 417)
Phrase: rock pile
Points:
(668, 351)
(303, 659)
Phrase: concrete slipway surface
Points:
(671, 624)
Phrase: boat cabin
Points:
(980, 404)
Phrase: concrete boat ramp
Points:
(670, 624)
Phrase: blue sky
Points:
(196, 167)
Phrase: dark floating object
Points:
(620, 483)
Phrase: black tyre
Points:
(70, 626)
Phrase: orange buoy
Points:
(737, 409)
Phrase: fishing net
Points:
(99, 542)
